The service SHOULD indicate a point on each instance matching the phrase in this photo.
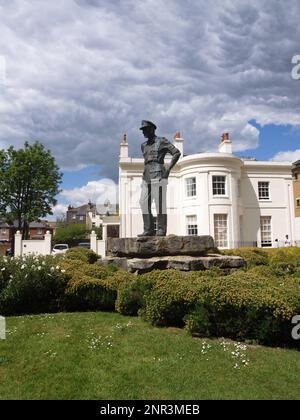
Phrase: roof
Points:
(38, 225)
(32, 225)
(100, 209)
(83, 209)
(111, 219)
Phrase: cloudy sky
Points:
(75, 74)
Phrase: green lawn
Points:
(109, 356)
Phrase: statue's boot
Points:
(148, 225)
(161, 225)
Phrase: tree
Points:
(29, 183)
(71, 234)
(61, 221)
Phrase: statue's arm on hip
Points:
(170, 148)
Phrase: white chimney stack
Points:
(178, 142)
(226, 144)
(124, 147)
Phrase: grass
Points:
(109, 356)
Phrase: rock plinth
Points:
(180, 262)
(156, 246)
(185, 253)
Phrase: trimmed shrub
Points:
(87, 293)
(170, 298)
(81, 254)
(73, 268)
(254, 305)
(120, 278)
(131, 296)
(252, 256)
(287, 259)
(246, 306)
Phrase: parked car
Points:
(60, 248)
(84, 245)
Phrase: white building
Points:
(239, 202)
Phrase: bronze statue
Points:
(155, 178)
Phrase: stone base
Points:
(155, 246)
(181, 262)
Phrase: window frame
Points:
(265, 243)
(225, 185)
(259, 190)
(192, 229)
(192, 187)
(221, 242)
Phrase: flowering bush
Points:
(75, 268)
(171, 297)
(131, 295)
(252, 256)
(286, 259)
(255, 305)
(31, 284)
(36, 284)
(246, 306)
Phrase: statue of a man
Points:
(155, 178)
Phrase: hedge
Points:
(81, 254)
(286, 258)
(85, 292)
(243, 305)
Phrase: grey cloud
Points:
(81, 72)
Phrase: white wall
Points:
(34, 247)
(97, 245)
(38, 247)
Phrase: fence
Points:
(97, 245)
(27, 247)
(43, 247)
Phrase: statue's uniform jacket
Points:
(154, 154)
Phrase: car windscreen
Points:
(60, 247)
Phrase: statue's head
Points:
(148, 128)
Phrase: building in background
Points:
(37, 230)
(238, 201)
(94, 216)
(6, 232)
